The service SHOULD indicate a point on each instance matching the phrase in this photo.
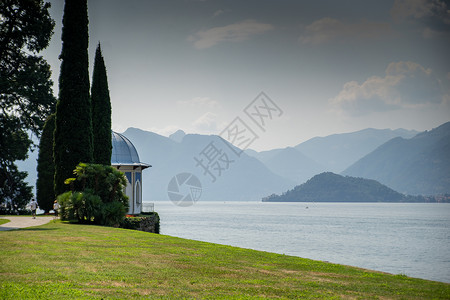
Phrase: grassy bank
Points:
(59, 260)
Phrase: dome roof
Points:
(124, 152)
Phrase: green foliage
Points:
(25, 87)
(148, 222)
(73, 133)
(82, 207)
(330, 187)
(14, 192)
(98, 196)
(45, 193)
(14, 144)
(101, 111)
(26, 96)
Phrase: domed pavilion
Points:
(126, 159)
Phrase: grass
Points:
(4, 221)
(66, 261)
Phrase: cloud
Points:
(207, 123)
(419, 9)
(199, 102)
(230, 33)
(405, 85)
(328, 29)
(220, 12)
(434, 15)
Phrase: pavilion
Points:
(126, 159)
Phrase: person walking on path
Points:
(33, 206)
(56, 208)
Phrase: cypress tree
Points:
(73, 133)
(101, 111)
(45, 193)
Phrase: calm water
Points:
(411, 239)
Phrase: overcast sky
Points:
(328, 66)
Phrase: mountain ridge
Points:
(420, 165)
(331, 187)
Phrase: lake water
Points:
(398, 238)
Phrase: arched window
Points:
(137, 192)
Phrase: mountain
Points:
(330, 187)
(229, 177)
(177, 136)
(338, 151)
(332, 153)
(420, 165)
(289, 163)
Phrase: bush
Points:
(148, 222)
(83, 207)
(97, 196)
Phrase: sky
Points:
(298, 68)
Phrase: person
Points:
(56, 208)
(33, 206)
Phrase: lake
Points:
(398, 238)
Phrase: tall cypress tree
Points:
(45, 193)
(73, 133)
(101, 111)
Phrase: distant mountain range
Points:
(330, 187)
(227, 177)
(420, 165)
(332, 153)
(403, 160)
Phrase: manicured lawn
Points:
(4, 221)
(66, 261)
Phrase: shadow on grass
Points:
(36, 229)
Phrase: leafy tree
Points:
(26, 96)
(101, 111)
(14, 144)
(73, 133)
(97, 195)
(45, 193)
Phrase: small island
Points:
(330, 187)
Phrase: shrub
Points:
(148, 222)
(97, 196)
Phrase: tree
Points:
(73, 131)
(45, 193)
(26, 96)
(14, 144)
(101, 111)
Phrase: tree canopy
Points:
(45, 193)
(73, 133)
(26, 96)
(101, 111)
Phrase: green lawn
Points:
(66, 261)
(4, 221)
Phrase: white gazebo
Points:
(126, 159)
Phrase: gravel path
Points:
(23, 222)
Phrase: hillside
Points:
(331, 153)
(330, 187)
(243, 178)
(289, 163)
(336, 152)
(420, 165)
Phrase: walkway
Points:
(23, 221)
